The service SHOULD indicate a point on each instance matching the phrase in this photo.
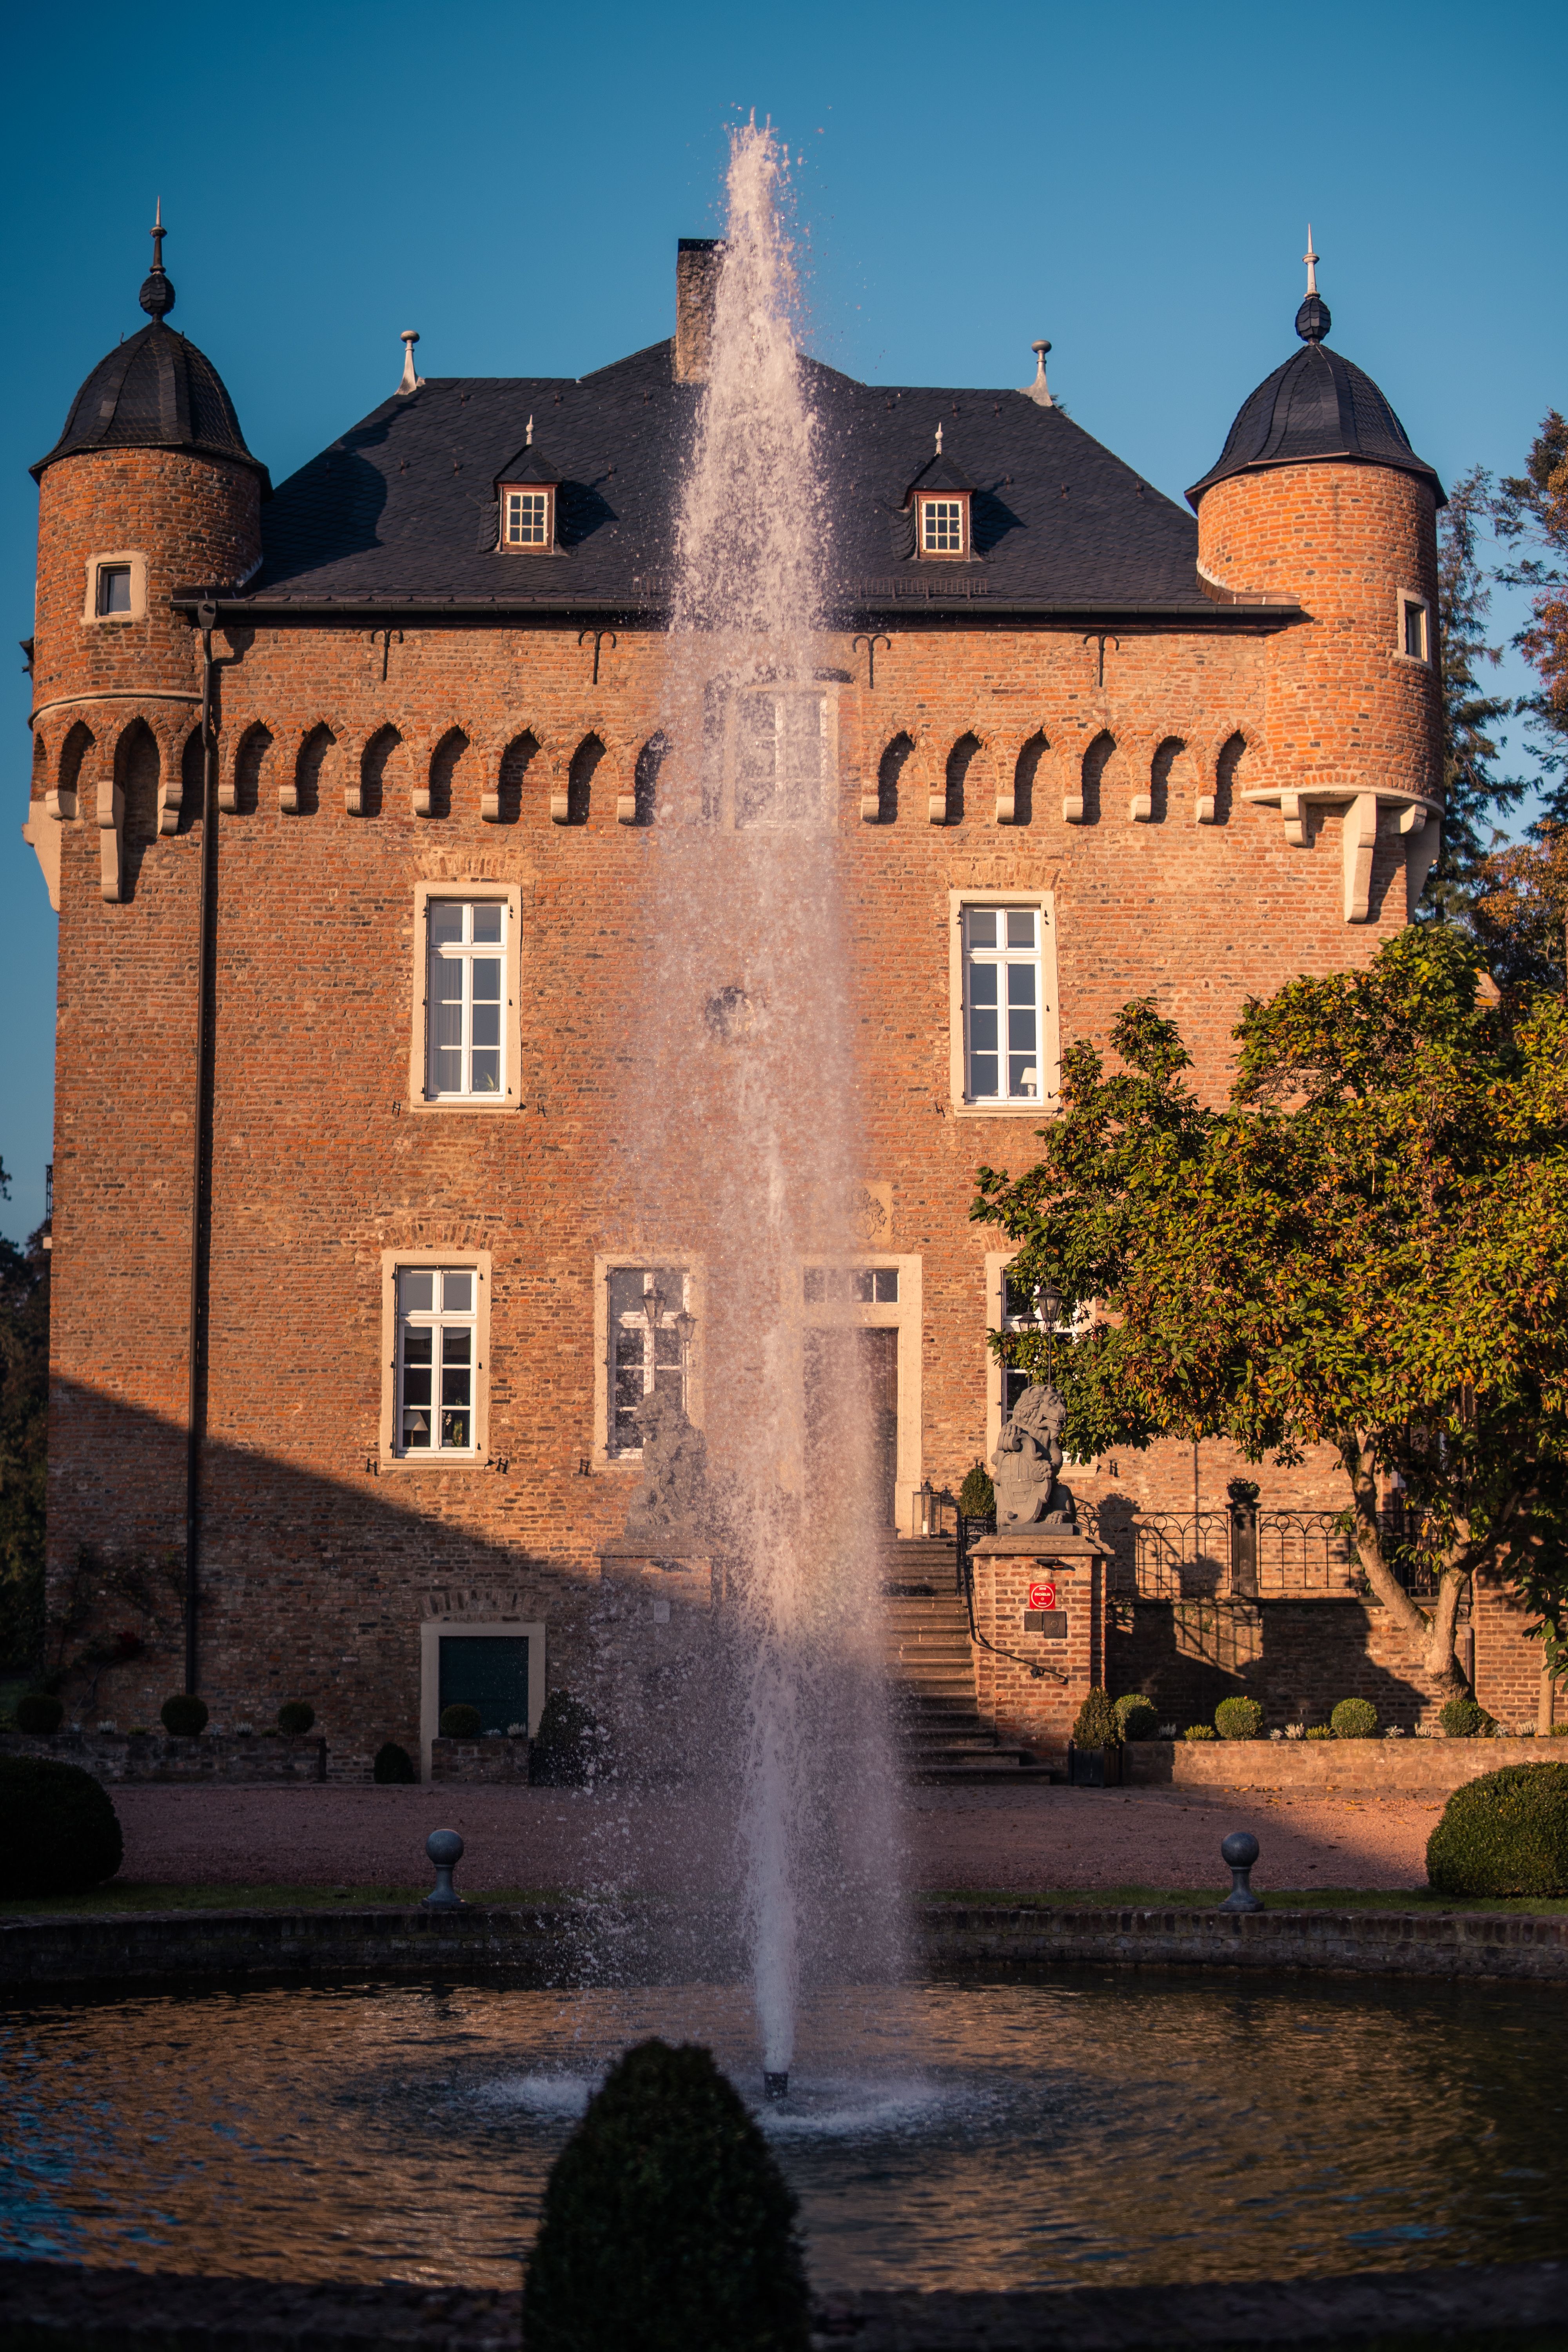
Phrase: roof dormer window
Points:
(945, 526)
(526, 519)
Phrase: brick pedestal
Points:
(1040, 1619)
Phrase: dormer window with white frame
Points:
(1414, 628)
(527, 520)
(943, 525)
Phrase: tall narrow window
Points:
(1002, 1004)
(438, 1326)
(780, 756)
(1017, 1315)
(650, 1328)
(527, 518)
(1416, 629)
(114, 588)
(467, 996)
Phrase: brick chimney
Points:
(697, 263)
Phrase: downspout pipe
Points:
(200, 1169)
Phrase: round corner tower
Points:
(148, 488)
(1318, 499)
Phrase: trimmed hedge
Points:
(666, 2226)
(569, 1751)
(1506, 1834)
(393, 1766)
(1462, 1719)
(1238, 1718)
(38, 1714)
(1353, 1718)
(977, 1496)
(1097, 1724)
(59, 1834)
(1137, 1715)
(461, 1721)
(183, 1715)
(295, 1717)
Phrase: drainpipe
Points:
(201, 1171)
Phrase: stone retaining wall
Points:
(480, 1760)
(1366, 1767)
(112, 1756)
(554, 1941)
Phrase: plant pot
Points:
(1093, 1768)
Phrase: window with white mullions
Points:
(852, 1285)
(527, 518)
(1019, 1314)
(467, 997)
(438, 1325)
(942, 526)
(650, 1332)
(1002, 1004)
(780, 756)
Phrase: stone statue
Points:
(1026, 1460)
(673, 1500)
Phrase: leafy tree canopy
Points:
(1365, 1247)
(1532, 514)
(1473, 791)
(1521, 914)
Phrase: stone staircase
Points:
(930, 1669)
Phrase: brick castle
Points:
(352, 1304)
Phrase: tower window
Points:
(438, 1326)
(525, 519)
(1414, 638)
(114, 588)
(943, 526)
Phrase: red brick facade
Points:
(355, 766)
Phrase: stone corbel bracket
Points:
(111, 830)
(1420, 819)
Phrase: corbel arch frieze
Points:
(310, 753)
(615, 773)
(73, 769)
(1010, 759)
(436, 756)
(897, 740)
(1219, 767)
(173, 735)
(1095, 758)
(516, 748)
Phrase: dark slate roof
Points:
(1317, 405)
(155, 391)
(530, 465)
(401, 510)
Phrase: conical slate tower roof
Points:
(1317, 407)
(156, 391)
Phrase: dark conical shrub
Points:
(183, 1715)
(59, 1833)
(666, 2225)
(393, 1766)
(1505, 1833)
(569, 1751)
(1096, 1726)
(295, 1717)
(977, 1496)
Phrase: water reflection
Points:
(1015, 2131)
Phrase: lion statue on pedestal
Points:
(1026, 1460)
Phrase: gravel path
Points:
(992, 1838)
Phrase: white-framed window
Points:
(116, 586)
(650, 1328)
(781, 747)
(945, 526)
(1414, 628)
(437, 1360)
(467, 998)
(854, 1286)
(526, 520)
(1005, 1038)
(1019, 1314)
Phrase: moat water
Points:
(979, 2131)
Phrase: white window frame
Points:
(780, 692)
(471, 890)
(906, 1315)
(606, 1455)
(545, 544)
(997, 1263)
(1410, 602)
(930, 502)
(504, 1629)
(394, 1453)
(121, 559)
(1043, 1103)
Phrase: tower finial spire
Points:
(1314, 318)
(157, 296)
(1311, 259)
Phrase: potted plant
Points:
(1094, 1751)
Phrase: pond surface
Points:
(997, 2131)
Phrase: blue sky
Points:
(1134, 182)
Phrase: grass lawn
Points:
(112, 1899)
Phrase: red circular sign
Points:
(1042, 1596)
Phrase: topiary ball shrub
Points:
(1136, 1716)
(1238, 1718)
(393, 1766)
(184, 1716)
(666, 2226)
(569, 1751)
(1506, 1834)
(38, 1714)
(1463, 1719)
(1353, 1718)
(1096, 1726)
(59, 1834)
(295, 1717)
(1200, 1731)
(977, 1496)
(461, 1721)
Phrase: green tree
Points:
(1365, 1247)
(1472, 791)
(24, 1434)
(1521, 913)
(1532, 514)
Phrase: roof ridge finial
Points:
(527, 436)
(157, 295)
(1039, 392)
(411, 381)
(939, 440)
(1311, 260)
